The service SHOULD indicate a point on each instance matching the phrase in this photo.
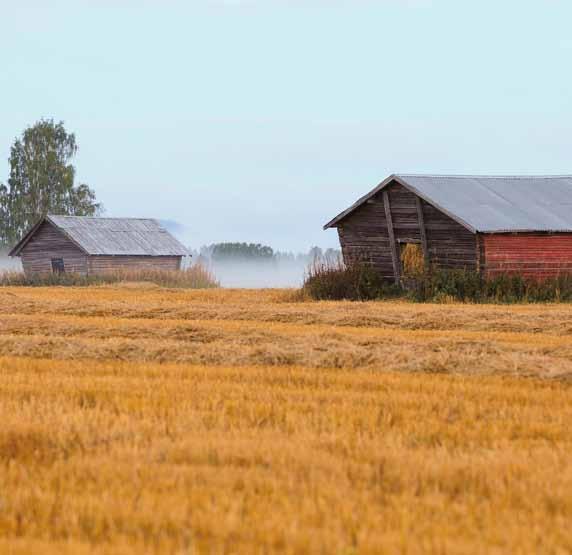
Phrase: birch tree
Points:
(42, 181)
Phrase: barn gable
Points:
(489, 204)
(376, 231)
(48, 244)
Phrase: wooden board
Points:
(47, 243)
(391, 233)
(364, 233)
(102, 264)
(422, 232)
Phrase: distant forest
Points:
(256, 252)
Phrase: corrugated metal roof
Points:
(490, 204)
(119, 236)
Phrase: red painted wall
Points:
(528, 254)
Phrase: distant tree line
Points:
(241, 251)
(257, 252)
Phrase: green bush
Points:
(467, 286)
(361, 282)
(334, 281)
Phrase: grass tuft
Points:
(467, 286)
(195, 277)
(360, 282)
(335, 281)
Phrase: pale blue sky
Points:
(260, 120)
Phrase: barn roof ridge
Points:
(99, 217)
(111, 236)
(485, 176)
(489, 204)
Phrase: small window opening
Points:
(412, 260)
(58, 265)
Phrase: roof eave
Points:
(403, 182)
(359, 202)
(522, 230)
(139, 254)
(17, 248)
(183, 251)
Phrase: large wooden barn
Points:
(87, 246)
(491, 224)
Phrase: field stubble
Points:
(144, 420)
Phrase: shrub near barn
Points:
(361, 282)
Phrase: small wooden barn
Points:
(491, 224)
(87, 246)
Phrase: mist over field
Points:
(254, 265)
(8, 264)
(279, 272)
(256, 274)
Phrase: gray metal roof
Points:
(490, 204)
(119, 236)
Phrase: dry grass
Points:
(146, 420)
(194, 277)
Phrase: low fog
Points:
(253, 265)
(8, 264)
(279, 272)
(257, 274)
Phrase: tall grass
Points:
(195, 277)
(361, 282)
(327, 280)
(468, 286)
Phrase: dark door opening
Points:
(58, 265)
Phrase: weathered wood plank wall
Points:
(49, 242)
(364, 237)
(450, 244)
(364, 234)
(104, 264)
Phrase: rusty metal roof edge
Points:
(484, 176)
(359, 202)
(400, 179)
(474, 227)
(523, 230)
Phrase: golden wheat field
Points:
(136, 419)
